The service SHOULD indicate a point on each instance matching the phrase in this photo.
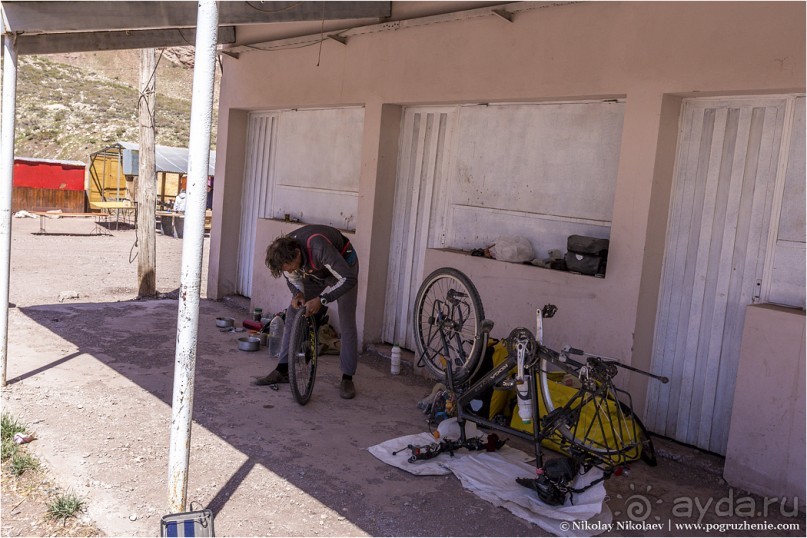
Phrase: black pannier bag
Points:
(586, 255)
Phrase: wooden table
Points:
(120, 207)
(98, 219)
(120, 204)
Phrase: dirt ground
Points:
(92, 375)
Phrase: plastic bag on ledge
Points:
(512, 249)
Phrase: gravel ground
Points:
(92, 375)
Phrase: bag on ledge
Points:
(586, 255)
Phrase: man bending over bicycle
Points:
(320, 266)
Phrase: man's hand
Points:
(312, 306)
(298, 300)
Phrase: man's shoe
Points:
(346, 389)
(273, 378)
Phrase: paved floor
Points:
(94, 381)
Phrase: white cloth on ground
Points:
(492, 476)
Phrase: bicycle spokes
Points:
(302, 357)
(448, 314)
(448, 320)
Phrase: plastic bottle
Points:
(276, 327)
(395, 360)
(524, 400)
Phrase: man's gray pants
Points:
(348, 351)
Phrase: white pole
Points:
(192, 248)
(6, 176)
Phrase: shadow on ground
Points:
(265, 465)
(96, 383)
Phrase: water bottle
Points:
(276, 327)
(524, 400)
(395, 360)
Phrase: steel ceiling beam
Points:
(119, 40)
(59, 17)
(56, 27)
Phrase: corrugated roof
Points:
(48, 161)
(170, 159)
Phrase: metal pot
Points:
(249, 343)
(225, 323)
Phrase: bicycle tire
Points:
(303, 347)
(448, 304)
(607, 436)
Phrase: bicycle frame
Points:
(544, 426)
(493, 377)
(594, 427)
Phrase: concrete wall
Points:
(652, 54)
(767, 436)
(230, 167)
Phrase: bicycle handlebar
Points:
(663, 379)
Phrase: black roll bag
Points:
(586, 255)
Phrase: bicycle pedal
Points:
(526, 482)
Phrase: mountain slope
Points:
(69, 106)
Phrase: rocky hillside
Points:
(71, 105)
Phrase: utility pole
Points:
(9, 108)
(147, 177)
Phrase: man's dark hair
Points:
(283, 250)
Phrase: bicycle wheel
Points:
(586, 417)
(303, 347)
(447, 317)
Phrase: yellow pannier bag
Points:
(609, 430)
